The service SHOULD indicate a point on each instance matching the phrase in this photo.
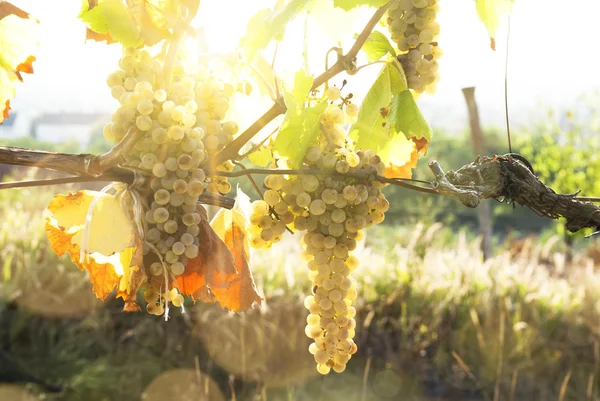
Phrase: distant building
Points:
(62, 127)
(54, 127)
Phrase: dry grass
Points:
(435, 320)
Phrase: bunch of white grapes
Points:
(182, 128)
(333, 210)
(413, 26)
(271, 217)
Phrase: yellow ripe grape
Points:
(117, 91)
(336, 115)
(114, 79)
(177, 113)
(313, 348)
(323, 369)
(353, 159)
(143, 123)
(107, 132)
(325, 304)
(351, 312)
(160, 95)
(145, 107)
(127, 63)
(313, 331)
(176, 133)
(211, 142)
(150, 295)
(168, 106)
(191, 107)
(317, 207)
(352, 110)
(313, 320)
(188, 119)
(309, 301)
(339, 368)
(333, 93)
(271, 197)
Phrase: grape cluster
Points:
(340, 208)
(333, 209)
(182, 127)
(280, 206)
(414, 29)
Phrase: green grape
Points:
(161, 215)
(114, 79)
(162, 196)
(159, 170)
(317, 207)
(271, 197)
(127, 63)
(143, 123)
(333, 93)
(178, 248)
(177, 113)
(171, 226)
(185, 162)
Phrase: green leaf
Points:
(405, 117)
(491, 13)
(262, 156)
(350, 4)
(93, 18)
(376, 46)
(302, 84)
(112, 17)
(301, 126)
(370, 131)
(299, 130)
(120, 25)
(269, 24)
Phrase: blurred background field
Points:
(435, 321)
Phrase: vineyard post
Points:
(484, 212)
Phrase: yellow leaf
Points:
(110, 229)
(18, 42)
(239, 294)
(108, 246)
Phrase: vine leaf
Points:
(111, 21)
(110, 250)
(221, 273)
(299, 130)
(18, 42)
(389, 122)
(301, 125)
(350, 4)
(405, 117)
(491, 13)
(270, 24)
(262, 156)
(377, 46)
(7, 9)
(240, 294)
(369, 131)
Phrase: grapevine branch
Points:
(344, 63)
(84, 167)
(501, 178)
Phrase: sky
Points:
(552, 57)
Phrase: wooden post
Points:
(484, 211)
